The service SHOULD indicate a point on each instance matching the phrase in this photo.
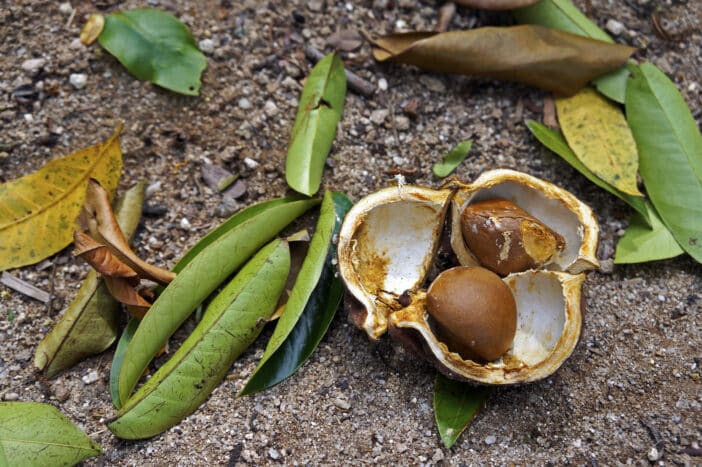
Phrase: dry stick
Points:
(356, 83)
(25, 288)
(446, 13)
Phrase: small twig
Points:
(52, 279)
(356, 83)
(70, 18)
(25, 288)
(446, 14)
(394, 129)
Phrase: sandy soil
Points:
(633, 383)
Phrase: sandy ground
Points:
(633, 382)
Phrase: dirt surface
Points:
(629, 394)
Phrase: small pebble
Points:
(654, 454)
(341, 403)
(273, 454)
(152, 189)
(65, 8)
(185, 224)
(227, 207)
(315, 5)
(438, 456)
(270, 108)
(378, 116)
(10, 396)
(33, 65)
(615, 27)
(402, 123)
(433, 84)
(383, 84)
(490, 440)
(250, 163)
(78, 80)
(206, 46)
(91, 377)
(401, 448)
(244, 103)
(606, 266)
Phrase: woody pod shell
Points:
(387, 251)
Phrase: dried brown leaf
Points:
(101, 259)
(124, 292)
(496, 4)
(97, 217)
(546, 58)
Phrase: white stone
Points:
(244, 103)
(383, 84)
(91, 377)
(402, 123)
(273, 454)
(206, 46)
(615, 27)
(250, 163)
(33, 65)
(78, 80)
(492, 439)
(270, 108)
(65, 8)
(342, 403)
(184, 224)
(378, 116)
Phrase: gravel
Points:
(632, 381)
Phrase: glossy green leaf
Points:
(232, 222)
(230, 324)
(33, 433)
(642, 243)
(455, 405)
(451, 159)
(313, 133)
(90, 323)
(155, 46)
(196, 281)
(670, 151)
(563, 15)
(118, 358)
(312, 305)
(555, 141)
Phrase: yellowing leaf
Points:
(38, 211)
(599, 135)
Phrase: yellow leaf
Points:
(38, 211)
(597, 132)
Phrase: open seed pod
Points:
(387, 252)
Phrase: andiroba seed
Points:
(505, 238)
(474, 312)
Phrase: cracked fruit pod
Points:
(483, 279)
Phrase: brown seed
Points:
(505, 239)
(474, 312)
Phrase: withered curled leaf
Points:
(97, 217)
(539, 56)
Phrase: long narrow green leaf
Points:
(555, 141)
(32, 433)
(451, 159)
(642, 243)
(312, 136)
(91, 322)
(155, 46)
(563, 15)
(670, 151)
(313, 302)
(231, 323)
(196, 281)
(118, 358)
(455, 405)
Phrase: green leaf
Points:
(555, 141)
(90, 323)
(670, 151)
(642, 243)
(455, 405)
(563, 15)
(232, 222)
(313, 133)
(313, 302)
(231, 323)
(118, 358)
(451, 159)
(196, 281)
(32, 433)
(155, 46)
